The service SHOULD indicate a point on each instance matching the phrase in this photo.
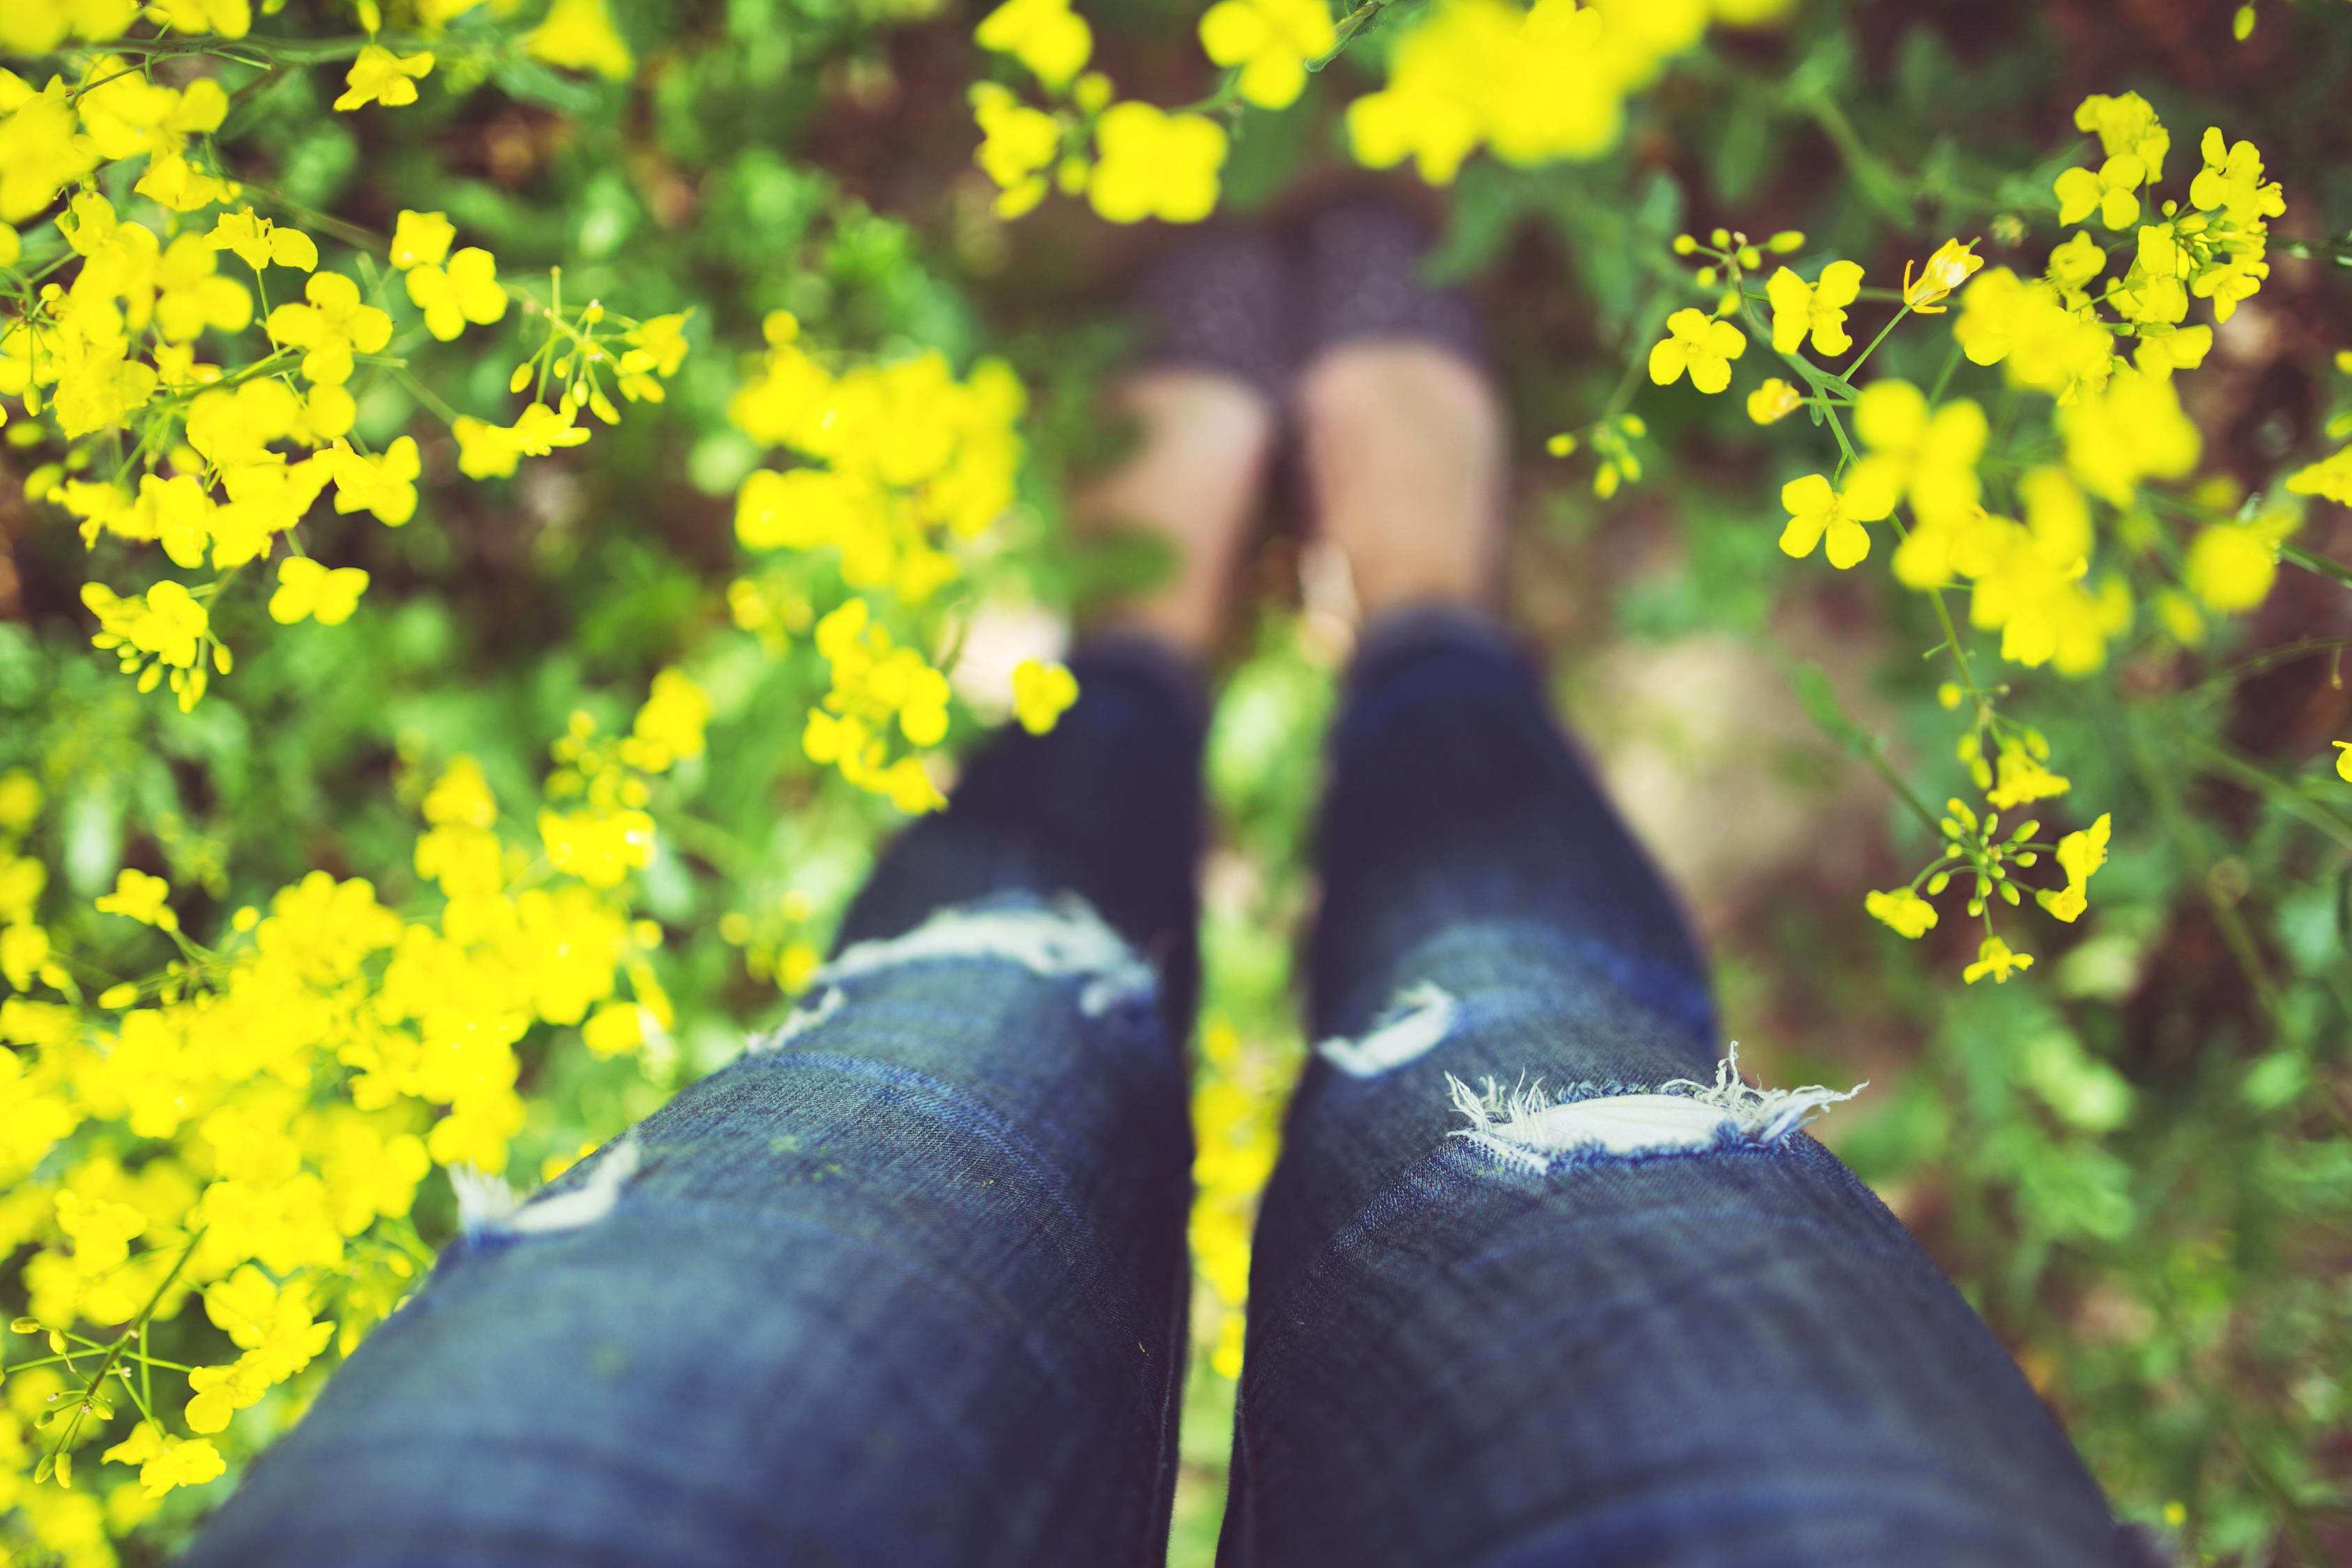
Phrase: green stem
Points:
(2324, 565)
(1859, 359)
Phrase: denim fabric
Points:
(907, 1288)
(906, 1284)
(1729, 1354)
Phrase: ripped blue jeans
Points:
(1536, 1282)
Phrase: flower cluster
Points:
(1533, 83)
(901, 466)
(2101, 338)
(180, 410)
(246, 1129)
(1131, 160)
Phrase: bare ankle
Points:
(1403, 446)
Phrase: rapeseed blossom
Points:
(1150, 164)
(1271, 42)
(1696, 343)
(1801, 309)
(1820, 514)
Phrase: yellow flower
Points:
(656, 347)
(2022, 325)
(1931, 454)
(2113, 191)
(1272, 42)
(542, 429)
(1944, 271)
(140, 896)
(421, 240)
(2125, 124)
(1774, 401)
(1699, 343)
(259, 243)
(2330, 477)
(2232, 181)
(579, 35)
(1152, 163)
(164, 1461)
(1817, 512)
(1800, 308)
(2022, 778)
(1041, 694)
(379, 76)
(2342, 760)
(1016, 143)
(1045, 36)
(2231, 565)
(1903, 910)
(2079, 854)
(2133, 430)
(331, 327)
(466, 291)
(669, 725)
(307, 588)
(1994, 958)
(2074, 263)
(384, 485)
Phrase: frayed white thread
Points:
(1068, 939)
(488, 1207)
(1522, 1127)
(800, 1022)
(1413, 1024)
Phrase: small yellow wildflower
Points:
(2232, 181)
(1994, 958)
(2231, 565)
(421, 240)
(1944, 271)
(1016, 143)
(579, 35)
(259, 243)
(466, 291)
(541, 429)
(1819, 513)
(140, 896)
(1774, 401)
(1800, 308)
(2124, 123)
(1699, 343)
(385, 485)
(1271, 41)
(1930, 454)
(2133, 430)
(1155, 164)
(1045, 36)
(379, 76)
(333, 326)
(2112, 192)
(2079, 854)
(306, 588)
(1903, 910)
(1041, 694)
(2342, 760)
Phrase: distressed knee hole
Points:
(1415, 1023)
(1530, 1129)
(1065, 940)
(488, 1207)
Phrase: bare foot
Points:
(1404, 447)
(1194, 480)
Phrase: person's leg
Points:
(906, 1284)
(1520, 1296)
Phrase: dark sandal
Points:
(1220, 299)
(1361, 260)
